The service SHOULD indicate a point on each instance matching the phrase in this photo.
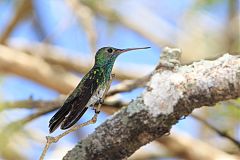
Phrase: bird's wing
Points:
(75, 105)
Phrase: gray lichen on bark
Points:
(172, 92)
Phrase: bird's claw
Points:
(100, 101)
(96, 111)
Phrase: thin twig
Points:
(51, 140)
(47, 106)
(19, 123)
(32, 104)
(13, 128)
(221, 133)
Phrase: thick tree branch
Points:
(177, 144)
(173, 92)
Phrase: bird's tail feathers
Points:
(58, 118)
(72, 118)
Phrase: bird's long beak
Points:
(119, 51)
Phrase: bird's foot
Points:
(96, 111)
(100, 101)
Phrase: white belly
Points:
(95, 97)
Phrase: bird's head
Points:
(108, 55)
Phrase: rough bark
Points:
(172, 93)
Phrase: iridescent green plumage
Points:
(89, 91)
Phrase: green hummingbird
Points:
(89, 91)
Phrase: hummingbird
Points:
(89, 91)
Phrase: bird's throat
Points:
(108, 70)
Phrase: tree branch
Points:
(42, 69)
(134, 23)
(189, 148)
(21, 11)
(57, 56)
(36, 69)
(35, 104)
(128, 85)
(177, 144)
(173, 92)
(219, 132)
(86, 18)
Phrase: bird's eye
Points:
(110, 50)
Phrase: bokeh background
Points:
(47, 46)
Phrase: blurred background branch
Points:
(86, 18)
(221, 133)
(23, 8)
(189, 148)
